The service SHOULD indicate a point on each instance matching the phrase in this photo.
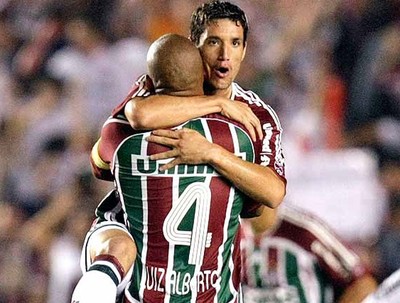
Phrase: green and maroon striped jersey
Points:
(300, 260)
(185, 221)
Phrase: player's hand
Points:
(242, 113)
(187, 147)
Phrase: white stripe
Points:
(145, 208)
(236, 146)
(198, 266)
(171, 249)
(251, 97)
(275, 117)
(231, 261)
(141, 79)
(221, 248)
(115, 165)
(236, 149)
(235, 293)
(115, 120)
(140, 93)
(240, 294)
(128, 295)
(206, 129)
(308, 278)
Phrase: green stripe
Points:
(292, 274)
(257, 270)
(135, 217)
(131, 188)
(245, 144)
(321, 282)
(225, 294)
(196, 125)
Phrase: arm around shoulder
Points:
(165, 111)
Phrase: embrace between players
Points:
(190, 153)
(183, 187)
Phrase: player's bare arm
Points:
(190, 147)
(162, 111)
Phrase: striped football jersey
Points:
(300, 260)
(184, 220)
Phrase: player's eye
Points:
(212, 42)
(236, 43)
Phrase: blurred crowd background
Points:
(330, 68)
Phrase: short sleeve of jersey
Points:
(142, 87)
(269, 151)
(117, 127)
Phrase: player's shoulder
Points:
(241, 94)
(304, 219)
(120, 119)
(142, 87)
(258, 105)
(317, 230)
(320, 240)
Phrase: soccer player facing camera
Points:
(206, 271)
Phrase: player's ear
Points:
(244, 51)
(190, 39)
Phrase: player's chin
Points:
(221, 83)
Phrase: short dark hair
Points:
(214, 10)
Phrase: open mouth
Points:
(222, 71)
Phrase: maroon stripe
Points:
(272, 260)
(216, 129)
(159, 194)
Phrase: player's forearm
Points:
(162, 111)
(256, 181)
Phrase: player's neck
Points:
(212, 91)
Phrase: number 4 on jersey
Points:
(198, 238)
